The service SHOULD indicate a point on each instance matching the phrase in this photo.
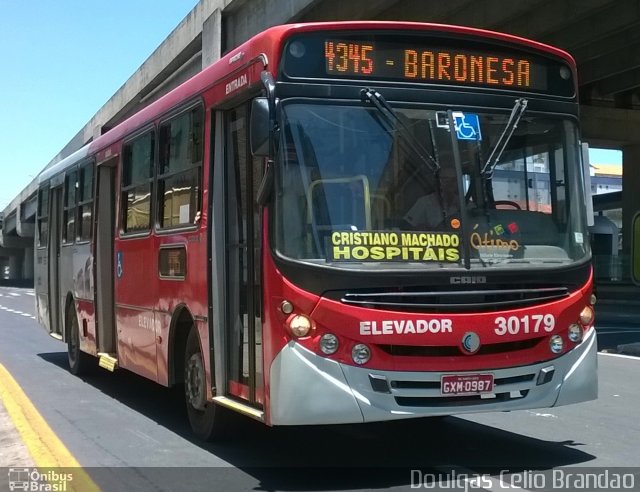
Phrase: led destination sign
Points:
(432, 65)
(425, 60)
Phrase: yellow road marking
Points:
(45, 447)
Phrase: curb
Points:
(629, 349)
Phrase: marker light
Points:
(329, 343)
(575, 332)
(586, 316)
(286, 307)
(592, 300)
(361, 354)
(300, 325)
(556, 344)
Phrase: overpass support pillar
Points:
(14, 267)
(211, 38)
(630, 195)
(27, 264)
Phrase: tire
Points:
(78, 360)
(209, 422)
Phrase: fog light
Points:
(361, 354)
(328, 343)
(556, 344)
(575, 332)
(586, 315)
(300, 325)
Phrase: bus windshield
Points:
(357, 189)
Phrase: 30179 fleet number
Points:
(534, 323)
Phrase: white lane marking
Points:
(546, 415)
(622, 356)
(31, 294)
(14, 294)
(8, 310)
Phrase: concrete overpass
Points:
(603, 36)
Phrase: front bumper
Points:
(307, 389)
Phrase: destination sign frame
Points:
(425, 59)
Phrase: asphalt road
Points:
(131, 434)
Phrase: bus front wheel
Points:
(208, 421)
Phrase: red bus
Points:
(335, 223)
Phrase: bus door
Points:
(105, 271)
(55, 239)
(242, 234)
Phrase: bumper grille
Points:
(437, 301)
(452, 351)
(457, 401)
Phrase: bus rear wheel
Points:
(78, 360)
(208, 421)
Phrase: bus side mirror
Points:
(635, 249)
(259, 127)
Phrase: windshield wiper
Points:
(514, 118)
(392, 118)
(394, 122)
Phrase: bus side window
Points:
(180, 169)
(69, 214)
(85, 203)
(43, 216)
(137, 178)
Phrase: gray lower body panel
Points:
(307, 389)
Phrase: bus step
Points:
(254, 413)
(107, 361)
(55, 335)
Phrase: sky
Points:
(605, 156)
(60, 62)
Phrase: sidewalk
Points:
(13, 451)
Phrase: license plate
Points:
(466, 384)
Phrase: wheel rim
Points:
(194, 382)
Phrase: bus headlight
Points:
(556, 344)
(575, 332)
(586, 315)
(329, 343)
(361, 354)
(300, 325)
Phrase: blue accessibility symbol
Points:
(467, 126)
(119, 268)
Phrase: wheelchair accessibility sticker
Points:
(119, 269)
(467, 126)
